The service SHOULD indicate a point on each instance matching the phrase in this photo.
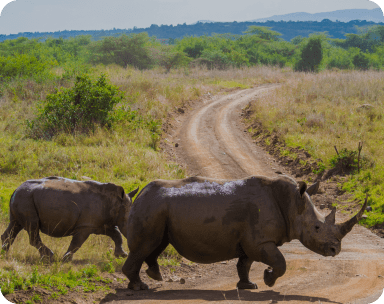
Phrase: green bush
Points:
(79, 109)
(360, 61)
(311, 56)
(23, 66)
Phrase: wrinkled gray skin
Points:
(62, 207)
(209, 220)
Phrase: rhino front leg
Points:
(115, 235)
(77, 241)
(243, 267)
(272, 256)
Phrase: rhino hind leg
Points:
(131, 269)
(115, 235)
(33, 230)
(153, 270)
(9, 235)
(243, 267)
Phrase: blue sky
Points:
(54, 15)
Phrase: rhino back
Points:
(61, 205)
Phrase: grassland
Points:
(126, 154)
(333, 108)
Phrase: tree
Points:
(263, 32)
(311, 56)
(360, 61)
(125, 50)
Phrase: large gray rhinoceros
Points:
(209, 220)
(64, 207)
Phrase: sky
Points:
(55, 15)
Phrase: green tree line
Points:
(40, 60)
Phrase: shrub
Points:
(23, 66)
(77, 109)
(360, 61)
(311, 56)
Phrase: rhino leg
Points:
(132, 268)
(153, 270)
(10, 234)
(243, 267)
(33, 230)
(272, 256)
(77, 241)
(115, 235)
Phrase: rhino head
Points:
(316, 232)
(121, 208)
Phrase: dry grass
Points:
(320, 111)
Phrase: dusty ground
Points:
(210, 139)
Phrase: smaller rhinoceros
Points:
(64, 207)
(209, 220)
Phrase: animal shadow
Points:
(211, 295)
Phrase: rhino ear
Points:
(133, 193)
(302, 188)
(115, 189)
(312, 190)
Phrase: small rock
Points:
(224, 262)
(322, 206)
(180, 110)
(176, 145)
(182, 281)
(364, 216)
(278, 172)
(369, 209)
(86, 177)
(380, 276)
(169, 280)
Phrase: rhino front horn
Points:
(347, 226)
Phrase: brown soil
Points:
(209, 138)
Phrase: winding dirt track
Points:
(213, 143)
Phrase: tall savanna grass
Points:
(333, 108)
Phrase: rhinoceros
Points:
(62, 207)
(209, 220)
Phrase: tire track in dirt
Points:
(213, 143)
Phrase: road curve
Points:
(213, 143)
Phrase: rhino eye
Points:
(317, 228)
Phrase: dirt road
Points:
(212, 141)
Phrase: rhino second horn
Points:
(347, 226)
(331, 218)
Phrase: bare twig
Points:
(358, 156)
(336, 150)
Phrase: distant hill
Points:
(374, 15)
(288, 29)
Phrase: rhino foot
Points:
(67, 257)
(156, 275)
(121, 254)
(269, 278)
(138, 286)
(246, 285)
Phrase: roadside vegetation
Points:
(86, 109)
(318, 112)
